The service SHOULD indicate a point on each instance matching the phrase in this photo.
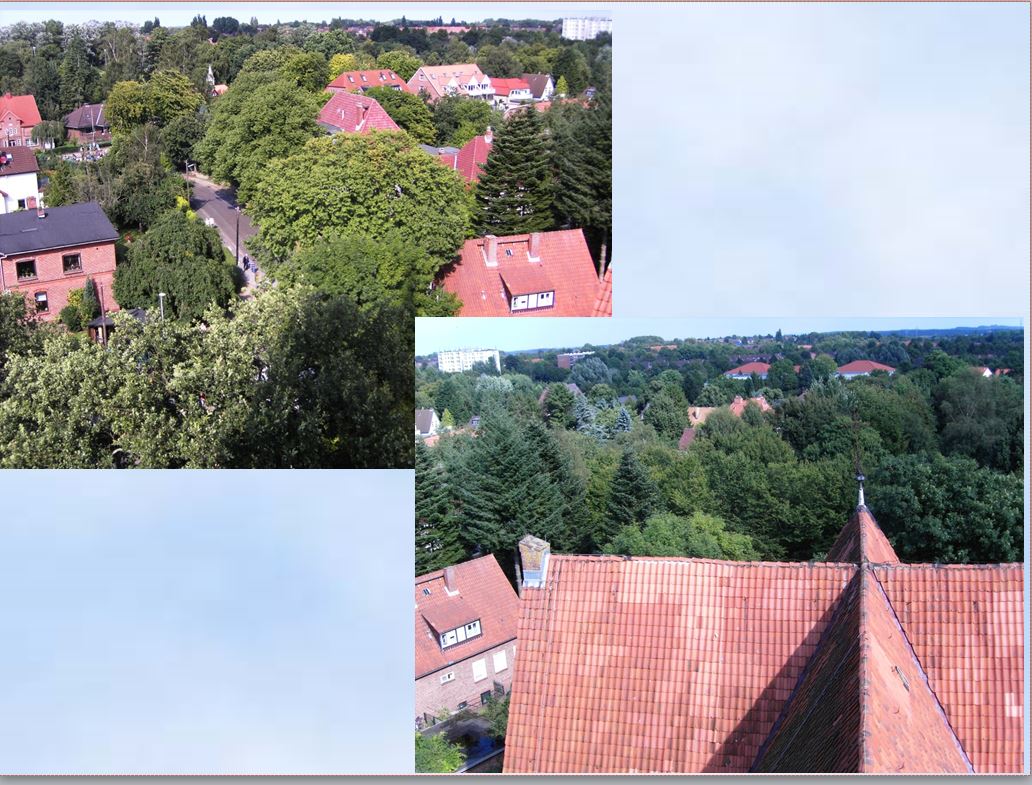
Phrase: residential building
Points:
(538, 274)
(859, 663)
(739, 404)
(542, 88)
(438, 81)
(747, 370)
(585, 28)
(468, 160)
(18, 116)
(351, 113)
(862, 368)
(219, 89)
(571, 386)
(569, 359)
(19, 184)
(87, 124)
(465, 637)
(510, 92)
(427, 422)
(983, 371)
(360, 81)
(45, 254)
(458, 360)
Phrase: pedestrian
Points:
(247, 261)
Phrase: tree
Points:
(401, 62)
(89, 306)
(341, 62)
(782, 376)
(590, 371)
(408, 111)
(457, 119)
(623, 421)
(436, 755)
(179, 137)
(632, 497)
(497, 715)
(514, 195)
(376, 184)
(131, 182)
(562, 87)
(48, 132)
(981, 418)
(572, 65)
(127, 106)
(170, 94)
(437, 528)
(499, 62)
(668, 412)
(78, 76)
(181, 257)
(18, 328)
(558, 406)
(700, 536)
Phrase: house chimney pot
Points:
(534, 251)
(449, 580)
(491, 250)
(534, 553)
(40, 212)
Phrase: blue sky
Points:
(206, 622)
(267, 13)
(432, 335)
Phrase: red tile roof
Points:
(864, 366)
(352, 113)
(564, 261)
(483, 591)
(437, 77)
(21, 106)
(684, 665)
(738, 405)
(470, 160)
(749, 368)
(17, 160)
(506, 86)
(350, 81)
(687, 437)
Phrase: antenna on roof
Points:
(860, 479)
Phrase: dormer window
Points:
(527, 302)
(363, 77)
(460, 634)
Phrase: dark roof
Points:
(424, 420)
(537, 83)
(86, 117)
(63, 227)
(22, 161)
(139, 314)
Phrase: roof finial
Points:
(860, 479)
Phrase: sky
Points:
(509, 334)
(174, 14)
(206, 622)
(859, 159)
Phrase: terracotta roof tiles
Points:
(356, 114)
(21, 106)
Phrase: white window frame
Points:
(449, 676)
(499, 657)
(479, 670)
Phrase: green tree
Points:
(497, 715)
(562, 87)
(127, 106)
(436, 755)
(572, 65)
(632, 497)
(668, 412)
(179, 137)
(515, 192)
(701, 536)
(89, 305)
(498, 62)
(18, 328)
(590, 371)
(78, 76)
(558, 406)
(181, 257)
(457, 119)
(437, 528)
(982, 419)
(401, 62)
(408, 111)
(377, 184)
(782, 376)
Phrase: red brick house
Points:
(468, 160)
(857, 664)
(351, 113)
(18, 116)
(465, 637)
(539, 274)
(45, 253)
(360, 81)
(87, 124)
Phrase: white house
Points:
(438, 81)
(19, 186)
(427, 422)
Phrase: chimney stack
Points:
(534, 252)
(40, 212)
(534, 554)
(491, 250)
(449, 580)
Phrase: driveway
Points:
(216, 204)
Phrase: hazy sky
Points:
(512, 334)
(818, 159)
(206, 622)
(181, 13)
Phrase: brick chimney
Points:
(491, 250)
(534, 554)
(534, 250)
(449, 580)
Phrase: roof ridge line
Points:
(864, 644)
(805, 671)
(921, 670)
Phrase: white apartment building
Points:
(585, 28)
(459, 360)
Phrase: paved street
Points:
(211, 200)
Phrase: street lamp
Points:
(236, 245)
(161, 304)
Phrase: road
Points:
(211, 200)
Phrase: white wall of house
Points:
(17, 187)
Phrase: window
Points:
(463, 705)
(351, 79)
(21, 204)
(485, 698)
(450, 676)
(473, 628)
(363, 78)
(426, 592)
(72, 263)
(449, 638)
(500, 663)
(26, 270)
(508, 251)
(479, 670)
(42, 306)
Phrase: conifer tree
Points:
(437, 536)
(562, 87)
(90, 306)
(515, 192)
(623, 421)
(632, 497)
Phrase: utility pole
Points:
(236, 245)
(161, 304)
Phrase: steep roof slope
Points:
(355, 113)
(63, 227)
(21, 106)
(862, 539)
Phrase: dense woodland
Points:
(308, 195)
(941, 447)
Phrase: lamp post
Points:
(236, 244)
(161, 304)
